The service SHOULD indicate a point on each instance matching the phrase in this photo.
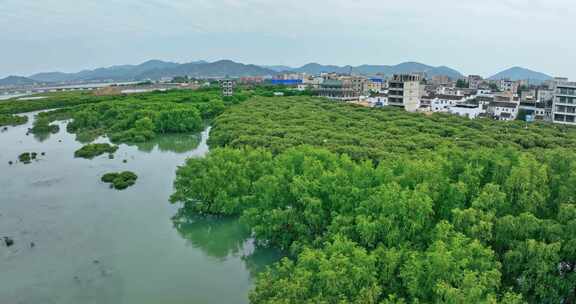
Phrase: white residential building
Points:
(442, 103)
(471, 111)
(544, 95)
(474, 81)
(506, 85)
(564, 102)
(542, 112)
(450, 91)
(379, 100)
(503, 110)
(302, 87)
(227, 86)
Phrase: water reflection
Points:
(176, 143)
(43, 131)
(43, 136)
(87, 136)
(215, 236)
(260, 259)
(221, 238)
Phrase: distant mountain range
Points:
(222, 68)
(157, 69)
(277, 68)
(16, 81)
(120, 72)
(518, 73)
(385, 70)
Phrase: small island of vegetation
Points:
(91, 151)
(27, 157)
(120, 181)
(44, 126)
(12, 120)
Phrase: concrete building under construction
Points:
(406, 91)
(343, 88)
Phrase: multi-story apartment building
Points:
(358, 84)
(334, 89)
(564, 102)
(313, 82)
(252, 80)
(542, 112)
(227, 86)
(374, 85)
(440, 80)
(507, 85)
(406, 91)
(528, 94)
(344, 88)
(290, 76)
(544, 95)
(474, 81)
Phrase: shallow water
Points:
(77, 241)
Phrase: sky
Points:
(473, 36)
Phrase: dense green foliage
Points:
(51, 101)
(143, 117)
(461, 83)
(410, 208)
(94, 150)
(461, 227)
(367, 133)
(27, 157)
(128, 118)
(43, 126)
(12, 120)
(120, 181)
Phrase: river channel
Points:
(78, 241)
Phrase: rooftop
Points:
(406, 77)
(466, 106)
(503, 104)
(446, 97)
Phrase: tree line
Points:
(137, 118)
(12, 120)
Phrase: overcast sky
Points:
(474, 36)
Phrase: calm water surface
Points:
(77, 241)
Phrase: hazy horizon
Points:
(268, 65)
(470, 36)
